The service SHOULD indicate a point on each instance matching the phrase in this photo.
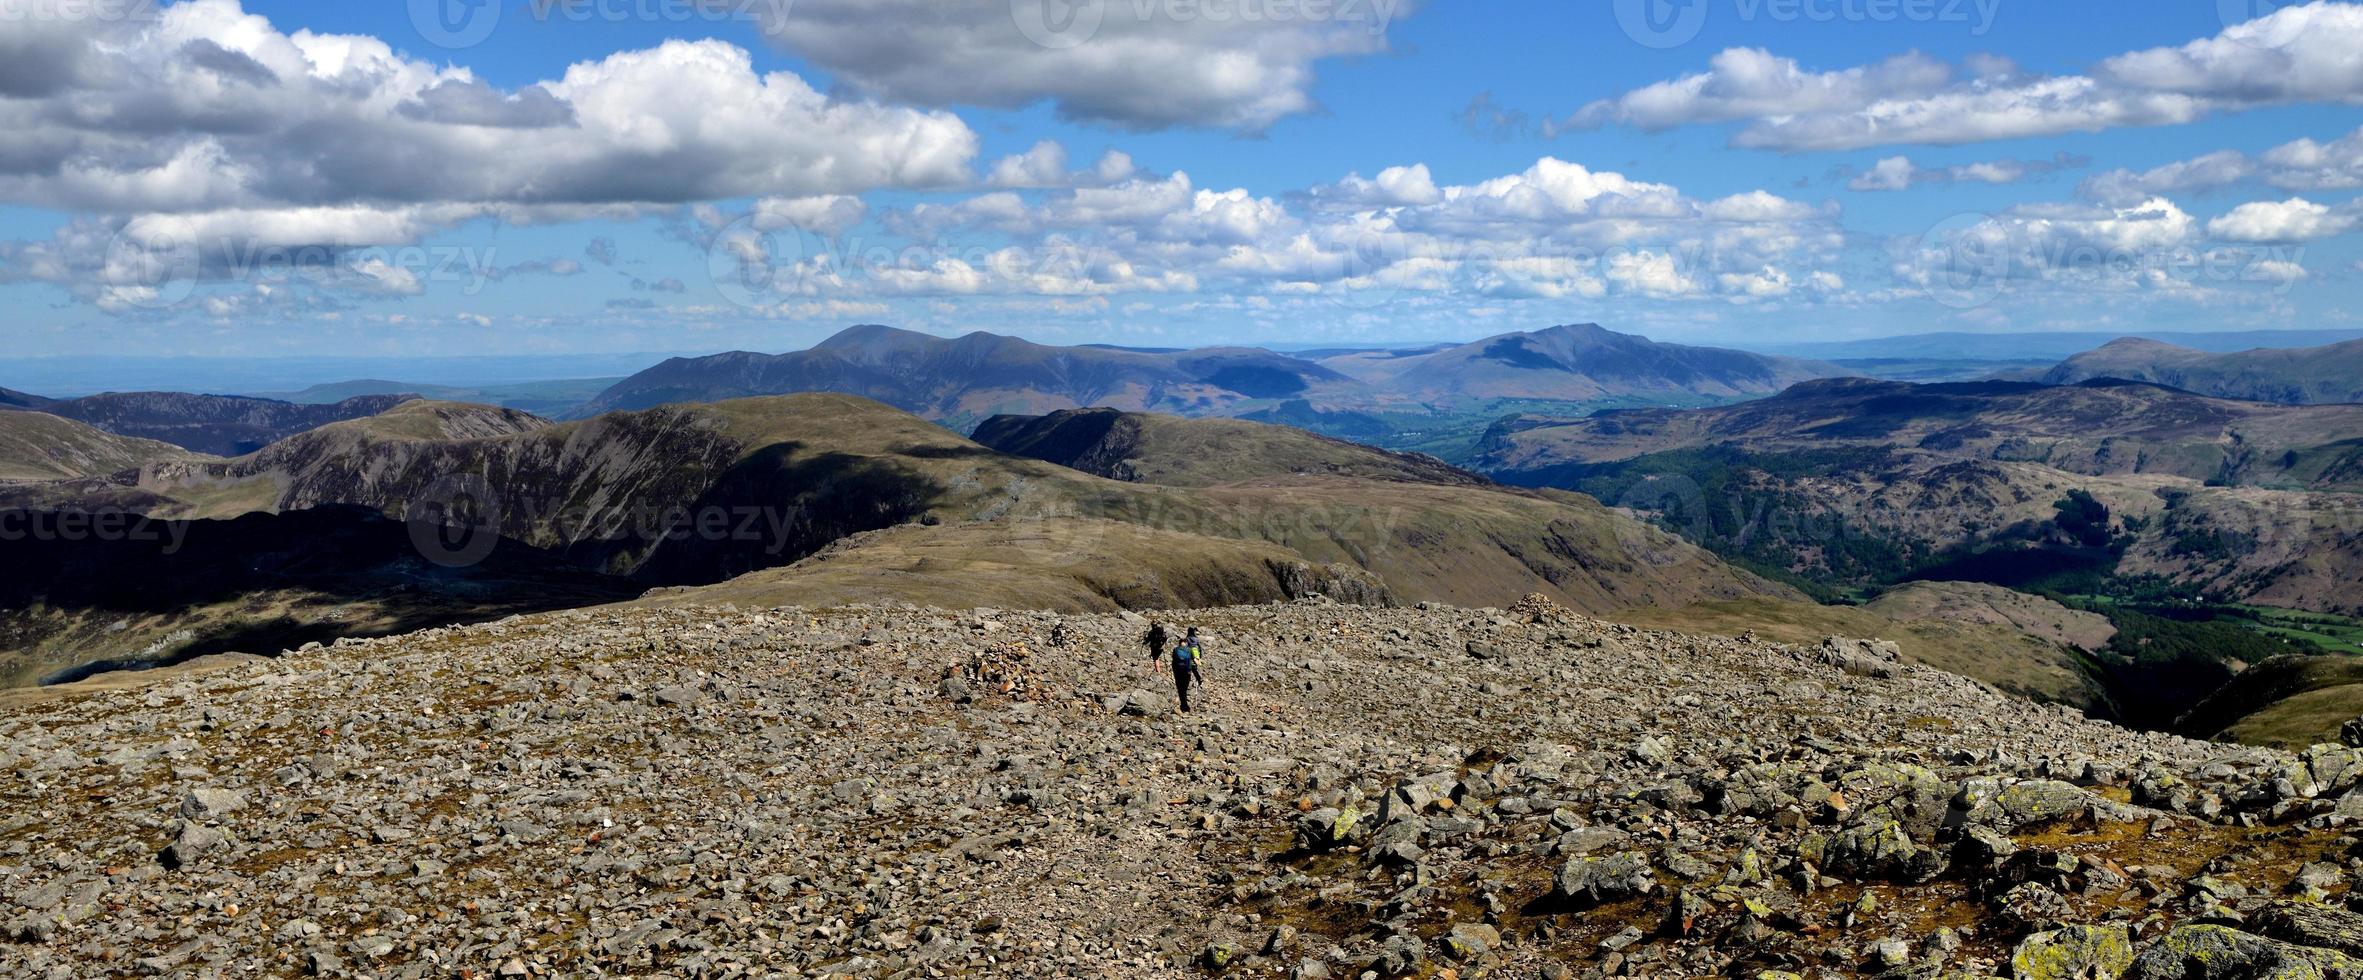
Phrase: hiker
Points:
(1156, 641)
(1186, 659)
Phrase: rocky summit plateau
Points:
(890, 791)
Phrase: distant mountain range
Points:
(2291, 376)
(538, 397)
(1578, 363)
(219, 425)
(965, 380)
(2039, 345)
(267, 375)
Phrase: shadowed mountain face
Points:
(967, 379)
(167, 591)
(218, 425)
(2302, 376)
(10, 398)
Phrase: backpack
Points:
(1185, 657)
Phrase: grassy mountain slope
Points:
(2004, 657)
(1062, 564)
(1991, 605)
(2284, 702)
(39, 446)
(1162, 449)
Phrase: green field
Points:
(2336, 634)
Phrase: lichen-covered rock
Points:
(2211, 952)
(2032, 802)
(1471, 940)
(1880, 851)
(2073, 953)
(1217, 956)
(2313, 924)
(1328, 828)
(1594, 880)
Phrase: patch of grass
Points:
(2295, 722)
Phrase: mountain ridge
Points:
(2329, 374)
(215, 425)
(965, 379)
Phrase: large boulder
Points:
(2312, 924)
(1594, 880)
(2208, 952)
(1900, 791)
(1879, 851)
(1862, 658)
(1328, 828)
(2035, 801)
(2073, 952)
(2333, 769)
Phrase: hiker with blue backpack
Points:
(1186, 658)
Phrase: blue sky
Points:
(294, 178)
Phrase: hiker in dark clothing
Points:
(1186, 658)
(1156, 641)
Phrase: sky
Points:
(444, 178)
